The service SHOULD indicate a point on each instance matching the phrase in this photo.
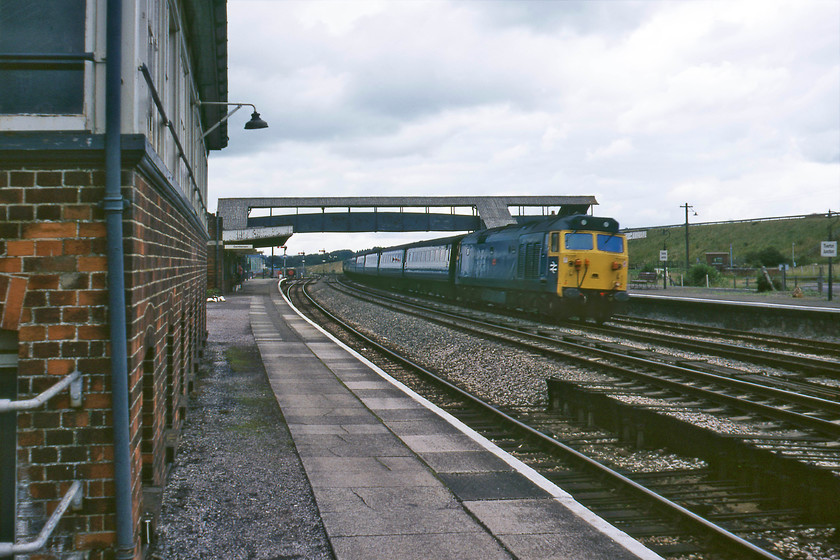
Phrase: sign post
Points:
(663, 258)
(829, 249)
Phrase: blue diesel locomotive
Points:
(571, 266)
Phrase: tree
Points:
(769, 256)
(698, 272)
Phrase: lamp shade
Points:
(255, 122)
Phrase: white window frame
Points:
(70, 122)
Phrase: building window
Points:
(42, 44)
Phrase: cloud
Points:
(616, 148)
(731, 106)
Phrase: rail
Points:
(74, 494)
(72, 497)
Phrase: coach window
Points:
(42, 57)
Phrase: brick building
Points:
(103, 257)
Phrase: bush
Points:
(769, 256)
(698, 272)
(762, 285)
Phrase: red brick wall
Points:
(53, 274)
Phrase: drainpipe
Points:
(113, 204)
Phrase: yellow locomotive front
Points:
(591, 267)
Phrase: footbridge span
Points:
(265, 222)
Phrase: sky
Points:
(730, 106)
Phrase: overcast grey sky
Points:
(732, 106)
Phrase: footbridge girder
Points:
(487, 212)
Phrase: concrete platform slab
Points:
(465, 461)
(542, 529)
(337, 429)
(429, 443)
(445, 546)
(509, 485)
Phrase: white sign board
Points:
(828, 249)
(663, 256)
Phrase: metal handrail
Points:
(74, 380)
(144, 70)
(74, 496)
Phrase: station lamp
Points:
(253, 124)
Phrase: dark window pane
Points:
(555, 242)
(41, 91)
(41, 26)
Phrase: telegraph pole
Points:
(272, 248)
(686, 206)
(830, 259)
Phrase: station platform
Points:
(394, 477)
(782, 299)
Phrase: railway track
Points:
(765, 350)
(529, 430)
(692, 377)
(777, 342)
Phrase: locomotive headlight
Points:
(578, 264)
(616, 265)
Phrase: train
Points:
(560, 267)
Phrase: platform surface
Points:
(396, 478)
(745, 297)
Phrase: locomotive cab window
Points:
(610, 243)
(555, 242)
(578, 241)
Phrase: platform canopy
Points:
(289, 215)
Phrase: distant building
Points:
(719, 260)
(103, 182)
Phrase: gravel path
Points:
(237, 489)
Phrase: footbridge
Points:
(264, 222)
